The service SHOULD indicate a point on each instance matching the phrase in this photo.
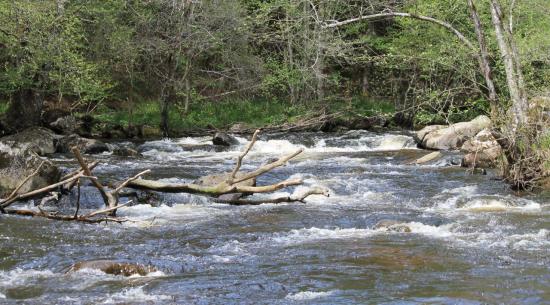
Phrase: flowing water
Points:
(471, 240)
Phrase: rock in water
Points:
(17, 164)
(483, 151)
(65, 125)
(393, 226)
(114, 267)
(222, 138)
(428, 158)
(126, 152)
(455, 135)
(37, 139)
(419, 135)
(85, 145)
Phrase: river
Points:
(472, 240)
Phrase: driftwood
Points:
(284, 199)
(231, 185)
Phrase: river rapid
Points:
(471, 240)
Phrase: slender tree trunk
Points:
(165, 111)
(514, 76)
(319, 57)
(484, 59)
(187, 94)
(290, 61)
(365, 84)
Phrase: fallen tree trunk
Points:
(234, 182)
(284, 199)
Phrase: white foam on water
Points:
(529, 241)
(387, 142)
(194, 140)
(136, 294)
(396, 142)
(187, 214)
(275, 147)
(2, 296)
(19, 277)
(495, 205)
(467, 202)
(309, 295)
(299, 236)
(442, 232)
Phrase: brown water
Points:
(471, 241)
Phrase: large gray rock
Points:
(419, 135)
(453, 136)
(482, 151)
(18, 163)
(85, 145)
(222, 138)
(37, 139)
(65, 125)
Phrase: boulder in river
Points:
(114, 267)
(37, 139)
(419, 135)
(16, 164)
(393, 226)
(453, 136)
(85, 145)
(65, 125)
(224, 139)
(124, 151)
(482, 151)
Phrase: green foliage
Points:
(268, 60)
(44, 51)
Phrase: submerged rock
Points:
(126, 152)
(114, 267)
(85, 145)
(222, 138)
(453, 136)
(393, 226)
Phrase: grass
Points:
(3, 107)
(255, 114)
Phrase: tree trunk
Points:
(187, 94)
(165, 102)
(514, 75)
(484, 59)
